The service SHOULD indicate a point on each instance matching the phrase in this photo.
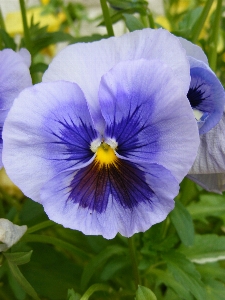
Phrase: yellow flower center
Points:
(105, 154)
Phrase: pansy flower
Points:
(207, 98)
(105, 141)
(14, 77)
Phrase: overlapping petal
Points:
(85, 63)
(206, 94)
(50, 127)
(148, 115)
(208, 169)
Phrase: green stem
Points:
(27, 38)
(2, 23)
(94, 288)
(107, 18)
(215, 36)
(40, 226)
(201, 21)
(134, 261)
(151, 20)
(56, 242)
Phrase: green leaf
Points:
(184, 272)
(166, 278)
(183, 223)
(94, 288)
(126, 4)
(71, 295)
(18, 291)
(49, 38)
(7, 40)
(190, 18)
(52, 272)
(22, 281)
(209, 205)
(206, 248)
(211, 271)
(98, 261)
(144, 293)
(132, 23)
(115, 265)
(215, 290)
(18, 258)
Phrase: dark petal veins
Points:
(199, 96)
(75, 140)
(122, 180)
(1, 134)
(129, 133)
(203, 90)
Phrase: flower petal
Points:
(206, 94)
(210, 182)
(149, 116)
(48, 130)
(14, 77)
(193, 50)
(85, 63)
(3, 115)
(208, 169)
(139, 198)
(10, 234)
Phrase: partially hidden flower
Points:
(108, 147)
(10, 234)
(207, 98)
(14, 77)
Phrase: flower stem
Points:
(40, 226)
(151, 20)
(107, 18)
(197, 28)
(27, 38)
(215, 36)
(94, 288)
(134, 261)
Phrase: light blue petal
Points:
(48, 130)
(148, 116)
(80, 210)
(14, 77)
(85, 63)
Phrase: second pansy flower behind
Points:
(108, 147)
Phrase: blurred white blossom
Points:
(10, 234)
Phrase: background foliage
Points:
(180, 258)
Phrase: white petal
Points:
(193, 50)
(208, 169)
(10, 234)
